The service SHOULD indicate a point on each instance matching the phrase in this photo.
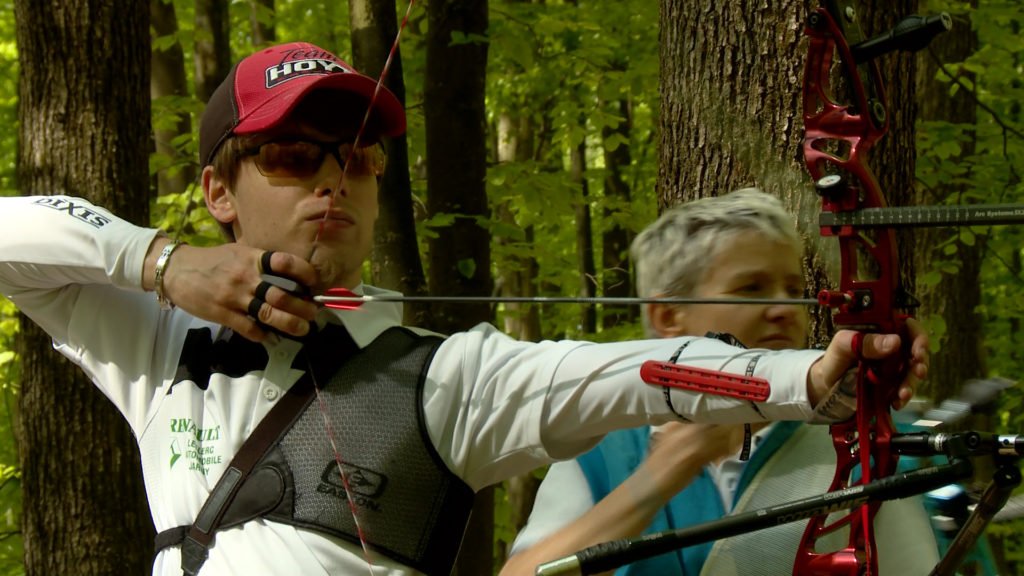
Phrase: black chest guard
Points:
(410, 506)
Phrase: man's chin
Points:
(331, 274)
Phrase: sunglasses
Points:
(303, 158)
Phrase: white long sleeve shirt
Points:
(494, 407)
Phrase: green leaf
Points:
(460, 38)
(612, 142)
(930, 279)
(466, 267)
(967, 237)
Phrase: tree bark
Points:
(956, 298)
(586, 267)
(615, 239)
(212, 57)
(517, 274)
(731, 83)
(263, 31)
(459, 256)
(168, 79)
(396, 262)
(83, 108)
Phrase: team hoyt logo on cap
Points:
(303, 62)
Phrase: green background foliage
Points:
(557, 63)
(10, 493)
(991, 175)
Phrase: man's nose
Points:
(330, 180)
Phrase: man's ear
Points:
(668, 320)
(219, 199)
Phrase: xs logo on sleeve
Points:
(85, 213)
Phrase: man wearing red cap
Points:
(282, 437)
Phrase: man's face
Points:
(750, 266)
(314, 216)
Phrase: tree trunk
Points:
(84, 502)
(731, 83)
(730, 108)
(615, 277)
(584, 236)
(517, 275)
(213, 50)
(168, 79)
(261, 17)
(895, 158)
(396, 262)
(460, 256)
(956, 298)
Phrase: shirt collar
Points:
(370, 319)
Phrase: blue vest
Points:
(618, 456)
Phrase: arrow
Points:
(344, 299)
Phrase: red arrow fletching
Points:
(343, 293)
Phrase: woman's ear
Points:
(219, 199)
(668, 320)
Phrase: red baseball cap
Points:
(263, 89)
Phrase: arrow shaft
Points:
(562, 300)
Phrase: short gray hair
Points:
(672, 254)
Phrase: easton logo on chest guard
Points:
(286, 71)
(366, 485)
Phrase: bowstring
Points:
(321, 401)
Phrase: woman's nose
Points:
(777, 311)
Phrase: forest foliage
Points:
(565, 65)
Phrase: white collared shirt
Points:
(495, 407)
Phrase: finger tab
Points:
(286, 284)
(265, 267)
(255, 305)
(262, 288)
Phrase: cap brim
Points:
(388, 116)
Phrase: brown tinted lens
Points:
(296, 159)
(376, 158)
(365, 161)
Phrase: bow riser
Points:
(838, 138)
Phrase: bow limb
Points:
(837, 139)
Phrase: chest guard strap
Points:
(411, 507)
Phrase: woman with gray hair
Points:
(673, 255)
(741, 245)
